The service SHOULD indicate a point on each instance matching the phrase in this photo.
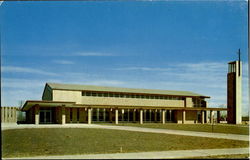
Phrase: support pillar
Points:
(156, 115)
(89, 115)
(170, 115)
(122, 115)
(183, 116)
(202, 117)
(110, 115)
(63, 115)
(104, 114)
(134, 112)
(145, 113)
(116, 116)
(206, 116)
(128, 115)
(141, 116)
(211, 116)
(160, 115)
(163, 116)
(150, 116)
(218, 116)
(97, 114)
(37, 114)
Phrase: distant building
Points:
(234, 92)
(68, 103)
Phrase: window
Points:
(106, 94)
(99, 94)
(94, 94)
(88, 93)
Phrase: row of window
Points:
(197, 102)
(124, 95)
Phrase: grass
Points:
(217, 128)
(70, 141)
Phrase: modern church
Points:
(71, 103)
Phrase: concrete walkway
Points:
(137, 129)
(151, 155)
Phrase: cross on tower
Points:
(239, 60)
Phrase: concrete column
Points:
(150, 116)
(211, 116)
(89, 115)
(202, 117)
(128, 115)
(163, 116)
(110, 115)
(116, 116)
(134, 112)
(37, 114)
(183, 116)
(104, 114)
(206, 116)
(170, 115)
(97, 114)
(63, 115)
(141, 116)
(218, 116)
(155, 115)
(122, 115)
(160, 115)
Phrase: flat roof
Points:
(77, 87)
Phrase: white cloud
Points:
(63, 62)
(142, 69)
(26, 70)
(96, 54)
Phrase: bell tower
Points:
(234, 92)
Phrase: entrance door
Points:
(45, 116)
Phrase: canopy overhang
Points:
(30, 103)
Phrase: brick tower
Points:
(234, 78)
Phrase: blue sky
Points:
(144, 44)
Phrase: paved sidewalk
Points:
(137, 129)
(150, 155)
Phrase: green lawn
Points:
(218, 128)
(66, 141)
